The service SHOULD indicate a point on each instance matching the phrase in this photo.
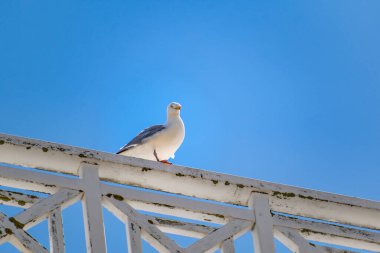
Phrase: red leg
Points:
(166, 162)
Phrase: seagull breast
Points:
(168, 142)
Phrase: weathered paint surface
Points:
(264, 207)
(12, 198)
(263, 230)
(189, 182)
(57, 241)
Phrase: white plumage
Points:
(159, 142)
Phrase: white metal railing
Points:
(295, 216)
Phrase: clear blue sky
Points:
(283, 91)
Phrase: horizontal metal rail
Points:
(189, 182)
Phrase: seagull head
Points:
(174, 109)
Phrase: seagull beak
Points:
(178, 107)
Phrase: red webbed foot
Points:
(166, 162)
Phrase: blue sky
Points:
(283, 91)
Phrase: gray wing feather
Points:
(141, 137)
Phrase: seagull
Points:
(158, 142)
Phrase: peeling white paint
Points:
(257, 199)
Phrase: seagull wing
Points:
(142, 137)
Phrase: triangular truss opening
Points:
(180, 240)
(73, 228)
(115, 232)
(41, 233)
(244, 243)
(142, 226)
(29, 220)
(146, 248)
(281, 248)
(9, 248)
